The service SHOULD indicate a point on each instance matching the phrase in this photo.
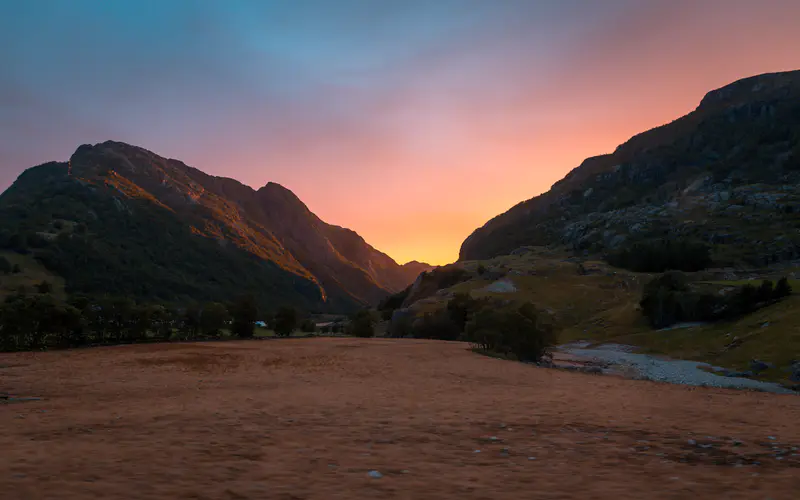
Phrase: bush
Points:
(512, 331)
(362, 324)
(285, 321)
(44, 287)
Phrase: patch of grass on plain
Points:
(31, 274)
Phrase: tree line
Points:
(662, 255)
(498, 326)
(669, 299)
(40, 321)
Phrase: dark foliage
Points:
(669, 299)
(213, 319)
(5, 266)
(308, 326)
(362, 324)
(512, 331)
(401, 326)
(244, 312)
(140, 250)
(782, 289)
(662, 255)
(393, 302)
(461, 307)
(285, 321)
(437, 326)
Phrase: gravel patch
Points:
(673, 371)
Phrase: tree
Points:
(5, 265)
(362, 324)
(190, 322)
(438, 325)
(44, 287)
(141, 322)
(213, 319)
(460, 308)
(401, 326)
(766, 291)
(162, 322)
(285, 321)
(513, 331)
(245, 313)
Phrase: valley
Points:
(359, 418)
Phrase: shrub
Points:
(511, 331)
(362, 324)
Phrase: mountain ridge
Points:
(739, 148)
(332, 267)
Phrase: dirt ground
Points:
(310, 418)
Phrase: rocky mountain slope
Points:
(118, 219)
(726, 174)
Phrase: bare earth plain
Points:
(310, 418)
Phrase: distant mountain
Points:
(414, 268)
(121, 220)
(727, 174)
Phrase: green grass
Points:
(771, 334)
(602, 307)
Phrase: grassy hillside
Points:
(31, 274)
(595, 302)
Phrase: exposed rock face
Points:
(281, 248)
(728, 173)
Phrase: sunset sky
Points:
(411, 122)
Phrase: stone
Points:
(757, 366)
(375, 474)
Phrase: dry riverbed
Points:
(346, 418)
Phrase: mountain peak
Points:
(158, 228)
(691, 178)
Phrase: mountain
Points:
(727, 175)
(118, 219)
